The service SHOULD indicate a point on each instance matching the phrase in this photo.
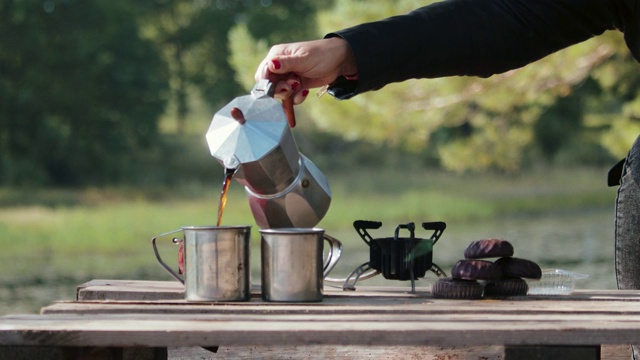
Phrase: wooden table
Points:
(116, 319)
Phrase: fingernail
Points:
(276, 64)
(284, 90)
(305, 92)
(294, 86)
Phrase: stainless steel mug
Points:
(292, 263)
(216, 262)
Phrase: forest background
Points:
(109, 101)
(110, 92)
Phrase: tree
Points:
(476, 124)
(195, 39)
(80, 91)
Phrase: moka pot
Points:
(252, 135)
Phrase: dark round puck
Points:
(448, 288)
(488, 248)
(506, 287)
(516, 267)
(475, 270)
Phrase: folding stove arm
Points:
(362, 272)
(438, 270)
(361, 227)
(437, 227)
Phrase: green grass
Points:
(415, 196)
(112, 223)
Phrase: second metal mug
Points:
(216, 260)
(292, 263)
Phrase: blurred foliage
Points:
(552, 110)
(194, 38)
(84, 86)
(80, 91)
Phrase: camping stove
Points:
(397, 258)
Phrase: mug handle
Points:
(162, 263)
(335, 250)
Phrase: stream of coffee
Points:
(222, 203)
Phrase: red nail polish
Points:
(305, 92)
(283, 90)
(276, 64)
(294, 86)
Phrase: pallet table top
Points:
(154, 313)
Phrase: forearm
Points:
(478, 37)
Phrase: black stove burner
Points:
(397, 258)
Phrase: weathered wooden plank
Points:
(387, 314)
(495, 352)
(341, 352)
(130, 289)
(608, 352)
(356, 306)
(143, 290)
(615, 352)
(211, 330)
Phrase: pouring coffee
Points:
(252, 139)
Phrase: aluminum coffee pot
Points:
(251, 134)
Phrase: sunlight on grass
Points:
(113, 225)
(412, 205)
(427, 196)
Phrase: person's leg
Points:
(627, 237)
(627, 225)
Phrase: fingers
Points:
(265, 71)
(300, 96)
(274, 64)
(285, 90)
(287, 86)
(297, 67)
(282, 90)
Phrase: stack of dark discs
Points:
(476, 277)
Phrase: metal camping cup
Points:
(292, 263)
(216, 262)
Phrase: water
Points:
(575, 241)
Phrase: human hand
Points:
(297, 67)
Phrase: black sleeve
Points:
(478, 38)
